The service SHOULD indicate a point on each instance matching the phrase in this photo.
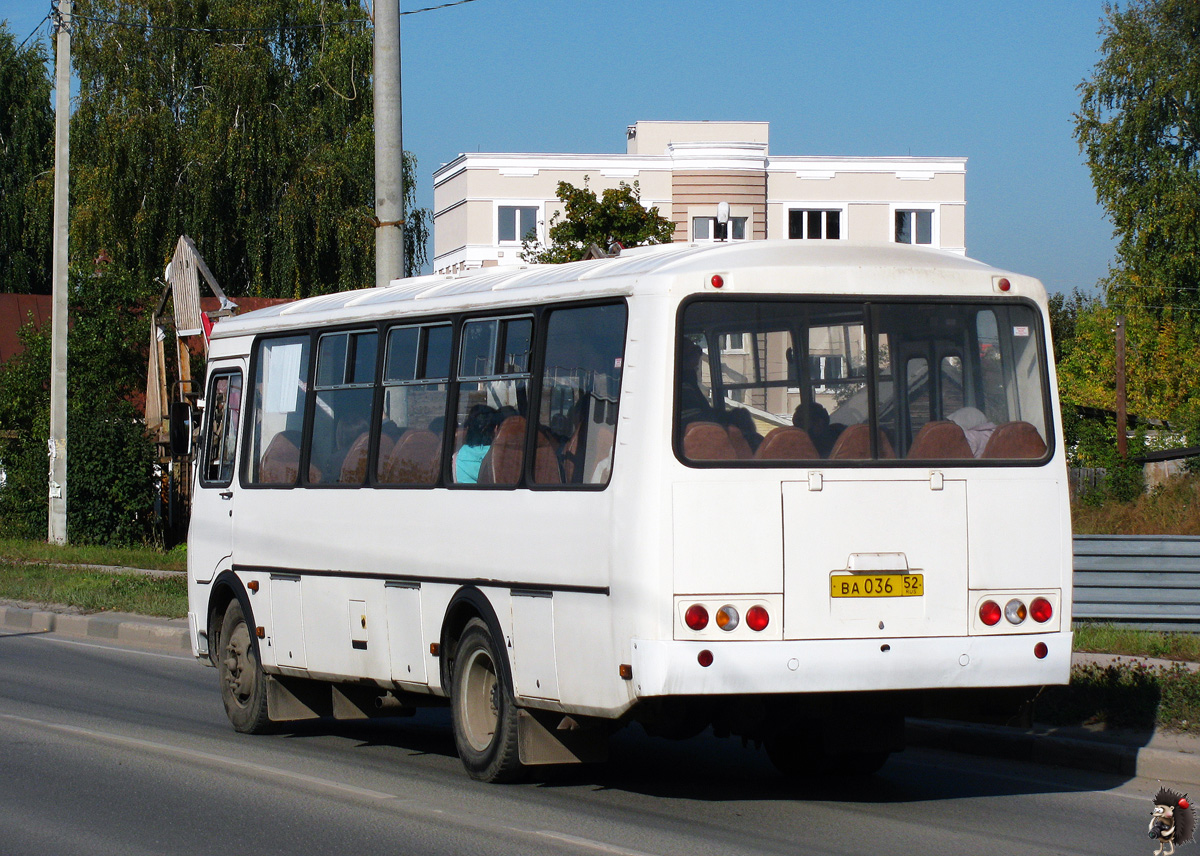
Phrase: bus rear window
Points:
(780, 381)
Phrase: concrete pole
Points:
(389, 147)
(57, 528)
(1122, 419)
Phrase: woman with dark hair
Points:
(480, 427)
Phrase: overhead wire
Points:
(276, 28)
(36, 28)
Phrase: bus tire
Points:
(484, 712)
(243, 683)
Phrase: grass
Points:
(1114, 639)
(1173, 508)
(93, 590)
(16, 551)
(1125, 695)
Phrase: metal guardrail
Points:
(1149, 582)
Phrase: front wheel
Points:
(485, 715)
(243, 683)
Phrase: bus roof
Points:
(593, 278)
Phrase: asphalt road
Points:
(112, 750)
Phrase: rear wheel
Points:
(485, 715)
(243, 684)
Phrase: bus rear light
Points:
(717, 280)
(1014, 611)
(757, 618)
(696, 617)
(705, 658)
(1041, 610)
(1040, 650)
(727, 617)
(989, 612)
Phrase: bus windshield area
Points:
(777, 381)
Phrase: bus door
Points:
(210, 544)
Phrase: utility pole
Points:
(57, 524)
(389, 148)
(1122, 419)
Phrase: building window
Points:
(815, 223)
(517, 223)
(914, 227)
(705, 229)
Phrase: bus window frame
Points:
(206, 436)
(869, 304)
(382, 327)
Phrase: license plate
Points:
(877, 585)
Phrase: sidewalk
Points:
(1171, 758)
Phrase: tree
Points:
(617, 216)
(27, 179)
(246, 125)
(1139, 127)
(110, 496)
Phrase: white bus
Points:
(792, 491)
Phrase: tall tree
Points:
(616, 216)
(246, 124)
(1139, 127)
(27, 155)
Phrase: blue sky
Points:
(992, 82)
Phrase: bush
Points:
(110, 485)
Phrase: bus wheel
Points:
(485, 715)
(243, 684)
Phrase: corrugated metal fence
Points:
(1151, 582)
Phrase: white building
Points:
(486, 203)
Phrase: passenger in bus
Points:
(740, 419)
(480, 426)
(694, 405)
(975, 425)
(820, 431)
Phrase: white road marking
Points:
(204, 757)
(47, 637)
(588, 843)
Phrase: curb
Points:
(163, 634)
(1056, 751)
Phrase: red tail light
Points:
(1041, 610)
(989, 612)
(705, 658)
(757, 618)
(696, 617)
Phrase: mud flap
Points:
(544, 737)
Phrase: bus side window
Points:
(580, 393)
(220, 447)
(280, 376)
(416, 375)
(493, 400)
(342, 418)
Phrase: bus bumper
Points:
(849, 665)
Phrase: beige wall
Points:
(865, 187)
(652, 138)
(697, 193)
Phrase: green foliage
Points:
(27, 178)
(1093, 443)
(1109, 638)
(1125, 695)
(616, 216)
(95, 590)
(109, 457)
(1139, 127)
(259, 144)
(38, 552)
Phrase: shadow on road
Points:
(706, 768)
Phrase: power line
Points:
(277, 28)
(35, 29)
